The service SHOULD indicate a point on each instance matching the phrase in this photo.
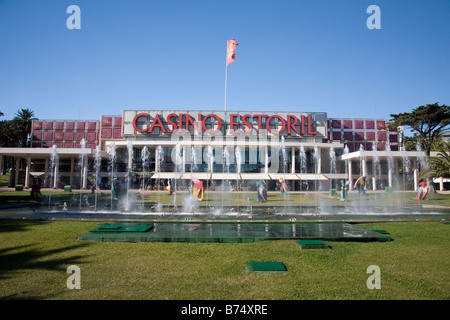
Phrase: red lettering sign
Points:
(291, 123)
(189, 120)
(259, 116)
(135, 122)
(249, 126)
(309, 126)
(303, 124)
(283, 126)
(232, 123)
(157, 123)
(173, 124)
(219, 126)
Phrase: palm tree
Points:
(24, 118)
(440, 165)
(9, 136)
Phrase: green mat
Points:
(380, 231)
(266, 267)
(233, 232)
(122, 228)
(312, 244)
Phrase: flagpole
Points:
(226, 75)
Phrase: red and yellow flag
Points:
(231, 49)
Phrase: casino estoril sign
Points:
(157, 123)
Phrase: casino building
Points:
(307, 149)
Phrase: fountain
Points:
(303, 167)
(376, 168)
(54, 164)
(210, 162)
(160, 159)
(229, 206)
(284, 171)
(97, 169)
(112, 162)
(144, 157)
(82, 165)
(179, 169)
(332, 155)
(237, 156)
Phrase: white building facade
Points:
(307, 149)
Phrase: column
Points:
(416, 179)
(350, 178)
(27, 172)
(390, 177)
(55, 175)
(319, 165)
(1, 165)
(441, 184)
(292, 159)
(266, 158)
(364, 168)
(46, 173)
(16, 177)
(156, 159)
(72, 164)
(84, 173)
(183, 158)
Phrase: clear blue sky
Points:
(170, 54)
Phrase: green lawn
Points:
(4, 179)
(34, 256)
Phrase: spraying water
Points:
(82, 162)
(210, 155)
(391, 166)
(376, 167)
(283, 154)
(362, 158)
(193, 159)
(160, 153)
(112, 164)
(237, 155)
(317, 166)
(144, 157)
(346, 160)
(178, 169)
(54, 163)
(333, 170)
(97, 168)
(129, 173)
(302, 164)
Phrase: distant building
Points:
(307, 149)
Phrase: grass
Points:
(4, 179)
(34, 256)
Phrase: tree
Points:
(411, 143)
(24, 118)
(9, 138)
(9, 134)
(428, 121)
(439, 166)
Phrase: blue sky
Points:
(169, 54)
